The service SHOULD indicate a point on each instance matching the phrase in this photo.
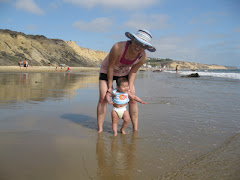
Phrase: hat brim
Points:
(151, 48)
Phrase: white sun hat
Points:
(143, 36)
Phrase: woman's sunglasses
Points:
(140, 44)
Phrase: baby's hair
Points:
(121, 80)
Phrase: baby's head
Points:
(122, 85)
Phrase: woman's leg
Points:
(133, 111)
(101, 108)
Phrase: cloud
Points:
(208, 18)
(175, 47)
(237, 29)
(9, 20)
(101, 24)
(2, 1)
(187, 47)
(148, 21)
(123, 4)
(32, 27)
(195, 48)
(53, 5)
(29, 6)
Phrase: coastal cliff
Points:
(182, 65)
(40, 51)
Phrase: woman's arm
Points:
(113, 56)
(108, 98)
(134, 69)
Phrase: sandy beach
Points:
(48, 129)
(46, 69)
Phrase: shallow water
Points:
(48, 129)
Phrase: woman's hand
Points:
(109, 90)
(109, 95)
(131, 95)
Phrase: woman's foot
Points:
(122, 131)
(100, 130)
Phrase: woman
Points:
(124, 60)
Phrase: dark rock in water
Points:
(192, 75)
(158, 70)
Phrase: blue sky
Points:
(201, 31)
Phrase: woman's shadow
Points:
(86, 121)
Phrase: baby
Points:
(120, 98)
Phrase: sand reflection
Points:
(41, 86)
(116, 158)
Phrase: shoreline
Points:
(46, 69)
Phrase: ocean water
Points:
(190, 118)
(190, 128)
(228, 73)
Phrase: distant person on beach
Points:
(124, 60)
(25, 63)
(120, 98)
(19, 64)
(176, 68)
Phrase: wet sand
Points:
(48, 129)
(45, 69)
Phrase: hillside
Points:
(189, 65)
(39, 50)
(42, 51)
(183, 65)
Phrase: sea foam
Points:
(220, 74)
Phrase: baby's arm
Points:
(108, 97)
(136, 99)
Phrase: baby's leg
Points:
(126, 119)
(115, 119)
